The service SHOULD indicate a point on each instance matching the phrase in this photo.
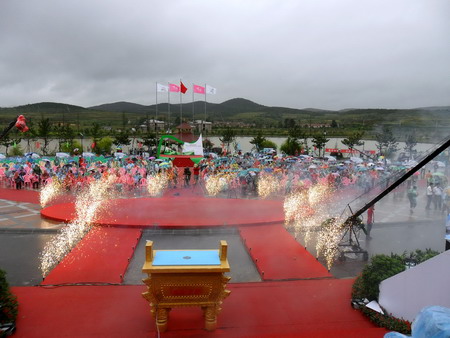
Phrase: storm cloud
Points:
(329, 54)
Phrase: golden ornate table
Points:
(179, 278)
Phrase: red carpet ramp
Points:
(278, 255)
(102, 256)
(307, 308)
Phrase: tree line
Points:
(299, 139)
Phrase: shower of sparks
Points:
(156, 184)
(88, 204)
(267, 185)
(328, 240)
(305, 209)
(214, 184)
(50, 191)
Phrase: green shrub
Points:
(269, 144)
(420, 256)
(103, 146)
(388, 322)
(16, 150)
(68, 147)
(291, 146)
(380, 268)
(8, 302)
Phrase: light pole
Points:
(82, 149)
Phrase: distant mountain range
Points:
(236, 110)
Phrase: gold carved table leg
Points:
(211, 318)
(162, 316)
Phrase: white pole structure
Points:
(181, 105)
(205, 101)
(204, 120)
(193, 105)
(156, 107)
(168, 105)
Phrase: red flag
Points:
(183, 87)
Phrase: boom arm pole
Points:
(7, 129)
(402, 179)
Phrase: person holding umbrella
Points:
(412, 196)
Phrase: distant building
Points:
(153, 125)
(318, 125)
(234, 124)
(202, 127)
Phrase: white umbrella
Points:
(356, 159)
(2, 157)
(312, 166)
(62, 155)
(120, 155)
(88, 154)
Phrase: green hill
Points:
(239, 110)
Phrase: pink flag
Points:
(199, 89)
(174, 88)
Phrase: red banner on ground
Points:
(349, 151)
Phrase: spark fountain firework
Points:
(268, 185)
(88, 204)
(50, 191)
(306, 209)
(330, 235)
(214, 184)
(156, 184)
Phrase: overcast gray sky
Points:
(329, 54)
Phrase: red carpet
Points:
(271, 309)
(101, 257)
(22, 195)
(278, 255)
(300, 308)
(174, 212)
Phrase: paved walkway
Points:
(20, 215)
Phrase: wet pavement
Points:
(19, 215)
(23, 235)
(19, 255)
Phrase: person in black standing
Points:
(187, 176)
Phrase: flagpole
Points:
(181, 106)
(205, 101)
(168, 104)
(193, 105)
(156, 109)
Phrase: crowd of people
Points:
(239, 173)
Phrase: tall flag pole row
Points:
(182, 89)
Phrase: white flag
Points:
(162, 88)
(210, 90)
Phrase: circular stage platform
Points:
(178, 212)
